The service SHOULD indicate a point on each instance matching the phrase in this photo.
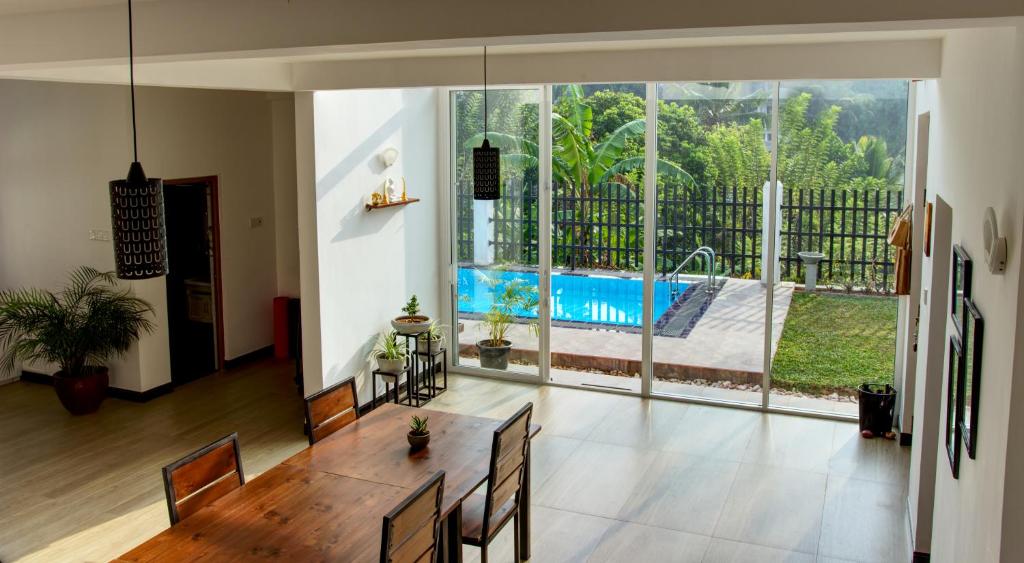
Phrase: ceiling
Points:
(8, 7)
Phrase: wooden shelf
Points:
(370, 207)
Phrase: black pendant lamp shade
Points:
(137, 209)
(486, 159)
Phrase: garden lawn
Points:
(834, 342)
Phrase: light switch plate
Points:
(255, 222)
(99, 234)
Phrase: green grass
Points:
(833, 342)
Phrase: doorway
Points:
(195, 332)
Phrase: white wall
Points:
(286, 213)
(62, 144)
(371, 262)
(974, 163)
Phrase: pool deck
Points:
(726, 343)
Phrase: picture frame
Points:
(960, 288)
(974, 332)
(954, 383)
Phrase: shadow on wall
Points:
(357, 366)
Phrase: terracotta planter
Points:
(494, 357)
(418, 441)
(410, 324)
(82, 394)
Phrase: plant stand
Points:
(385, 375)
(412, 385)
(430, 371)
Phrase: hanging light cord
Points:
(131, 78)
(485, 92)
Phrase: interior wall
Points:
(370, 263)
(63, 143)
(975, 164)
(286, 212)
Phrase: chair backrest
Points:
(202, 477)
(411, 528)
(508, 464)
(331, 409)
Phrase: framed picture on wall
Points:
(960, 289)
(974, 331)
(953, 411)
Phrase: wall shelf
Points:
(371, 207)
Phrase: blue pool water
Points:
(588, 299)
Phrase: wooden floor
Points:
(616, 478)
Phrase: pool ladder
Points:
(708, 254)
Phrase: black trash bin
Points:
(877, 401)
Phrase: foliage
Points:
(834, 342)
(418, 426)
(86, 323)
(388, 346)
(435, 331)
(511, 299)
(412, 307)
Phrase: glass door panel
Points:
(842, 152)
(714, 158)
(597, 211)
(495, 301)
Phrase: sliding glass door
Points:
(495, 299)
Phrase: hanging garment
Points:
(899, 236)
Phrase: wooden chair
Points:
(202, 477)
(411, 528)
(331, 409)
(483, 516)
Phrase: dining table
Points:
(327, 502)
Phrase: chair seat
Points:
(473, 518)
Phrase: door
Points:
(192, 280)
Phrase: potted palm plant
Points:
(512, 299)
(389, 352)
(78, 328)
(419, 433)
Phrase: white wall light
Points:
(995, 245)
(388, 156)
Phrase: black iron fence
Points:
(603, 229)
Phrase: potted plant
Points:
(419, 434)
(512, 298)
(431, 341)
(389, 352)
(78, 328)
(411, 322)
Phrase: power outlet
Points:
(255, 222)
(99, 234)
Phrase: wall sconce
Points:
(388, 156)
(995, 245)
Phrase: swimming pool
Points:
(598, 299)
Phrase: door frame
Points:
(218, 301)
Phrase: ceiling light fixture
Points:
(137, 207)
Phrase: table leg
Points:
(524, 511)
(453, 536)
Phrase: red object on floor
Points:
(281, 339)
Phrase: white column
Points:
(650, 237)
(309, 265)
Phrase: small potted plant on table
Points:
(419, 434)
(511, 298)
(79, 328)
(411, 322)
(389, 352)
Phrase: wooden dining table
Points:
(327, 502)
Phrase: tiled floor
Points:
(615, 478)
(622, 479)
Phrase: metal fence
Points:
(603, 229)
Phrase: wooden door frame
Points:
(218, 292)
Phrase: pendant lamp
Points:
(137, 208)
(486, 159)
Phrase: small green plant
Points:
(388, 346)
(412, 307)
(418, 426)
(511, 298)
(435, 331)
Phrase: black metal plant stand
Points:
(430, 370)
(386, 376)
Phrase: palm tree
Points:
(580, 162)
(880, 165)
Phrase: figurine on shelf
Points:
(405, 196)
(376, 199)
(391, 191)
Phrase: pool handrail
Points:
(708, 254)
